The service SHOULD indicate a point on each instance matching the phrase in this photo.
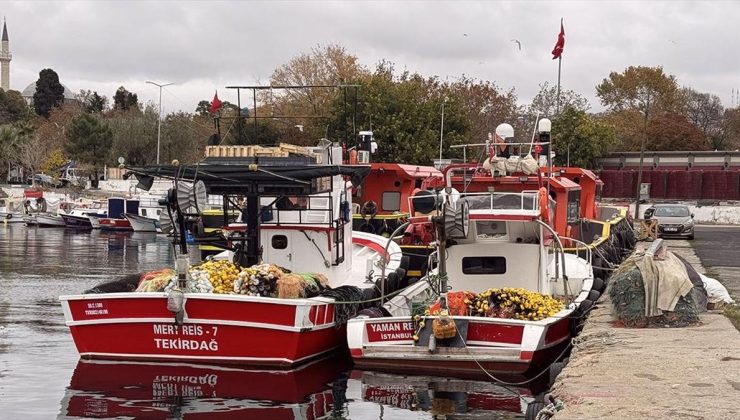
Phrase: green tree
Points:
(10, 143)
(49, 93)
(89, 142)
(404, 112)
(648, 90)
(92, 101)
(13, 107)
(184, 138)
(580, 140)
(135, 135)
(123, 100)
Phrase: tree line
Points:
(642, 105)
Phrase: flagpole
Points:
(560, 64)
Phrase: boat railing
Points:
(579, 245)
(300, 209)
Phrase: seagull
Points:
(465, 34)
(299, 127)
(672, 41)
(517, 43)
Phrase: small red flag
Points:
(216, 104)
(558, 50)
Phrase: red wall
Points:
(674, 184)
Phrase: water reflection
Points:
(107, 389)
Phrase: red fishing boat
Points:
(492, 247)
(308, 231)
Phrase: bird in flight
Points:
(517, 43)
(465, 34)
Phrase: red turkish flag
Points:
(558, 50)
(216, 104)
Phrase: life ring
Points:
(8, 216)
(544, 204)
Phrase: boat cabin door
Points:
(277, 247)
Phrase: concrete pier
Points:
(669, 373)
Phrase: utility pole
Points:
(159, 122)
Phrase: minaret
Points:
(5, 58)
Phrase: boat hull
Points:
(498, 346)
(77, 222)
(11, 218)
(141, 223)
(221, 329)
(114, 224)
(49, 221)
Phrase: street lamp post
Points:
(159, 122)
(441, 130)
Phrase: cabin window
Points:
(490, 229)
(574, 206)
(279, 241)
(391, 201)
(143, 212)
(484, 265)
(159, 212)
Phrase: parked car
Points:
(674, 220)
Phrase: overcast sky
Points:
(206, 46)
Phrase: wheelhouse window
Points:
(391, 201)
(490, 229)
(143, 212)
(484, 265)
(279, 241)
(574, 206)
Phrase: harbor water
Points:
(41, 375)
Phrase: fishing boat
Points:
(606, 231)
(296, 216)
(141, 223)
(117, 207)
(496, 252)
(103, 389)
(47, 220)
(11, 210)
(381, 203)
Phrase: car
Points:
(674, 220)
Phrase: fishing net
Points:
(627, 293)
(350, 298)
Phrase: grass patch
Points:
(733, 313)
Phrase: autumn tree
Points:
(581, 140)
(730, 135)
(674, 131)
(322, 66)
(89, 142)
(49, 93)
(483, 104)
(123, 100)
(704, 110)
(546, 102)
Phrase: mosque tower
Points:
(5, 58)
